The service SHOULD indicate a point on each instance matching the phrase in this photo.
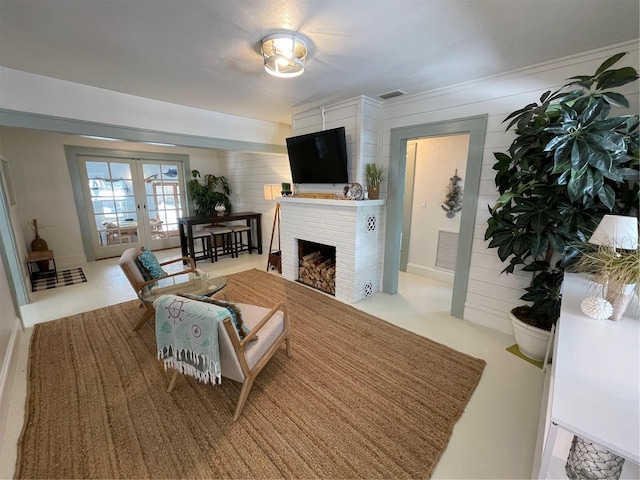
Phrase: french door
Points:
(131, 202)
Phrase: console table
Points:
(593, 384)
(186, 224)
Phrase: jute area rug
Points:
(361, 398)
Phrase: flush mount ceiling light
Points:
(284, 54)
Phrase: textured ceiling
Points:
(206, 54)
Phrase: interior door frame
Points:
(9, 252)
(476, 127)
(410, 176)
(72, 153)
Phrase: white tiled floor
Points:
(495, 438)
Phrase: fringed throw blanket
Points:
(187, 336)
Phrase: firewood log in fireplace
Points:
(318, 271)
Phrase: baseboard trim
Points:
(432, 273)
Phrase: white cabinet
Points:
(593, 385)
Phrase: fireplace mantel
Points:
(354, 228)
(332, 202)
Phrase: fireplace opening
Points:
(317, 266)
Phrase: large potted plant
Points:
(208, 192)
(569, 165)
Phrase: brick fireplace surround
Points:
(355, 228)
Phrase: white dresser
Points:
(592, 387)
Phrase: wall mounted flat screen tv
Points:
(319, 157)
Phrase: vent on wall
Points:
(392, 94)
(447, 250)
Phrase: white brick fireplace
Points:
(354, 228)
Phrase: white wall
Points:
(437, 160)
(26, 92)
(9, 331)
(490, 295)
(43, 184)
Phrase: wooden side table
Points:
(34, 272)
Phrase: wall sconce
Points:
(284, 54)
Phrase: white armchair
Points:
(242, 360)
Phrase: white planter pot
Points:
(531, 341)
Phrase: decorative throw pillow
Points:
(151, 267)
(234, 312)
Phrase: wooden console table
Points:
(593, 384)
(186, 228)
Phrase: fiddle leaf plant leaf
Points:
(609, 62)
(615, 99)
(607, 196)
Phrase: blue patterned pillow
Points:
(150, 265)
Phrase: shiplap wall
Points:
(490, 295)
(361, 118)
(248, 173)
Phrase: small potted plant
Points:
(375, 176)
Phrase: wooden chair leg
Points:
(244, 394)
(289, 347)
(148, 313)
(172, 383)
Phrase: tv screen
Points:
(319, 157)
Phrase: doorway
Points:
(475, 127)
(431, 218)
(127, 200)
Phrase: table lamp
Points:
(615, 236)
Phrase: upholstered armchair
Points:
(141, 277)
(248, 336)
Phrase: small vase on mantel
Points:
(374, 192)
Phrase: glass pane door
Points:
(113, 213)
(163, 203)
(132, 203)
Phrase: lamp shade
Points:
(284, 54)
(616, 231)
(271, 192)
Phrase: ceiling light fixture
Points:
(284, 54)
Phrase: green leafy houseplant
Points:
(569, 164)
(207, 194)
